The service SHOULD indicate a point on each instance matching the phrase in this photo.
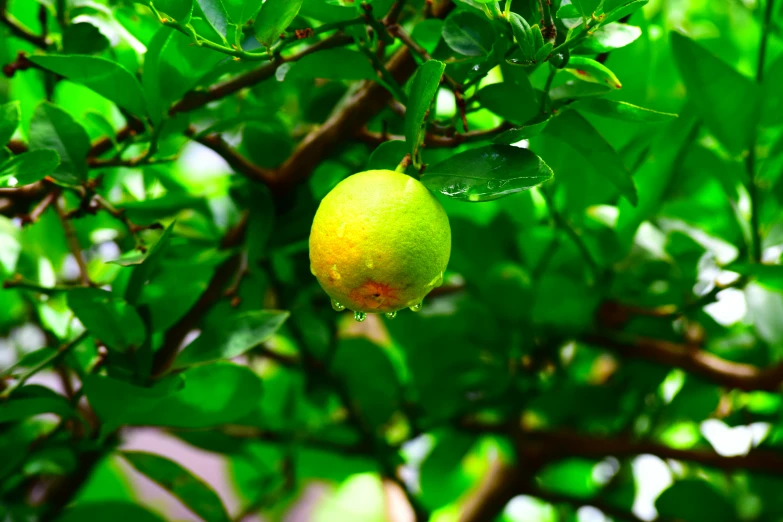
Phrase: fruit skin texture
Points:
(380, 242)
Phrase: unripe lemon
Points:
(380, 242)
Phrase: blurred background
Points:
(625, 355)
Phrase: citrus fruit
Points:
(380, 242)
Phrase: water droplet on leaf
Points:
(359, 316)
(337, 306)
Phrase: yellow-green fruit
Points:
(380, 242)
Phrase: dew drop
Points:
(416, 307)
(391, 315)
(359, 316)
(337, 307)
(437, 281)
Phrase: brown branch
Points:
(536, 449)
(197, 99)
(370, 99)
(501, 483)
(73, 245)
(98, 163)
(19, 30)
(251, 432)
(237, 161)
(172, 340)
(406, 39)
(564, 444)
(435, 140)
(41, 207)
(694, 360)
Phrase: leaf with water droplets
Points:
(487, 173)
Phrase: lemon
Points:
(380, 242)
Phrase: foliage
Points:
(608, 335)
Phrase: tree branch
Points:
(172, 340)
(19, 30)
(73, 245)
(694, 360)
(197, 99)
(237, 161)
(564, 444)
(434, 140)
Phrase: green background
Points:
(607, 342)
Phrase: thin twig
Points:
(19, 30)
(565, 225)
(54, 357)
(73, 245)
(435, 140)
(750, 160)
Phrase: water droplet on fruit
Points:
(337, 306)
(437, 281)
(416, 307)
(312, 270)
(341, 230)
(359, 316)
(391, 315)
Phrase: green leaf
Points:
(10, 115)
(655, 175)
(592, 71)
(179, 10)
(696, 501)
(28, 167)
(770, 276)
(621, 111)
(215, 14)
(497, 98)
(586, 8)
(512, 136)
(18, 409)
(145, 267)
(573, 477)
(772, 113)
(83, 38)
(113, 510)
(487, 173)
(240, 333)
(200, 403)
(523, 36)
(575, 89)
(188, 488)
(610, 37)
(622, 11)
(729, 107)
(377, 398)
(388, 155)
(53, 128)
(333, 64)
(568, 11)
(275, 17)
(577, 132)
(101, 75)
(423, 90)
(108, 318)
(468, 34)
